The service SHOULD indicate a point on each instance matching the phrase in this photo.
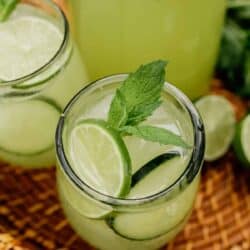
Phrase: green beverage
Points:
(115, 36)
(127, 193)
(40, 70)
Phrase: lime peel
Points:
(242, 141)
(219, 122)
(100, 157)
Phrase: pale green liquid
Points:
(115, 36)
(23, 125)
(174, 211)
(98, 234)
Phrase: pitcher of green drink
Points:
(115, 36)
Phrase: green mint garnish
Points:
(118, 114)
(138, 96)
(6, 7)
(155, 134)
(136, 100)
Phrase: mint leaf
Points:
(155, 134)
(6, 7)
(141, 92)
(140, 113)
(136, 100)
(144, 85)
(143, 88)
(118, 115)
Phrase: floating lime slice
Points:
(242, 141)
(219, 121)
(100, 158)
(6, 7)
(29, 40)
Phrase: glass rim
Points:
(57, 54)
(192, 168)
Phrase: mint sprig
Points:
(155, 134)
(118, 114)
(136, 100)
(140, 94)
(6, 7)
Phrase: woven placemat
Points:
(31, 217)
(30, 212)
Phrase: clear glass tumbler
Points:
(144, 219)
(40, 71)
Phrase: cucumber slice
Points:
(27, 128)
(123, 224)
(157, 174)
(151, 165)
(51, 102)
(157, 221)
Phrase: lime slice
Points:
(6, 7)
(242, 141)
(219, 121)
(29, 40)
(100, 158)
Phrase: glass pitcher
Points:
(115, 36)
